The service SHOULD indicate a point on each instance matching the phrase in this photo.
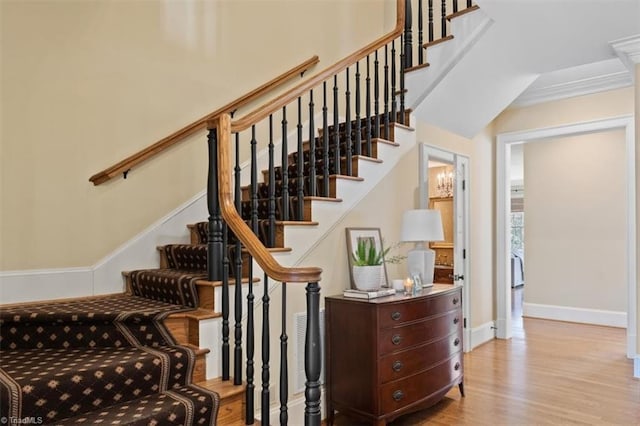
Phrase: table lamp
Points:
(421, 226)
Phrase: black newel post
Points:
(312, 357)
(214, 241)
(408, 37)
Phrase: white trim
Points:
(483, 334)
(62, 283)
(571, 314)
(503, 198)
(570, 89)
(628, 49)
(427, 153)
(636, 366)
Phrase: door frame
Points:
(460, 221)
(503, 202)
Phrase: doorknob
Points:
(458, 277)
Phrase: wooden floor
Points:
(549, 373)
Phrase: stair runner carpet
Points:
(104, 360)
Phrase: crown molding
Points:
(628, 49)
(585, 86)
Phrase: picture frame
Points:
(353, 236)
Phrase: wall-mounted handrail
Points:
(125, 165)
(289, 96)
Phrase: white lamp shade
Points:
(422, 225)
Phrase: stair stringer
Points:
(466, 30)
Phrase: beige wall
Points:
(570, 111)
(85, 84)
(637, 147)
(575, 215)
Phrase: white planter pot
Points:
(367, 278)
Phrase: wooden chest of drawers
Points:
(393, 355)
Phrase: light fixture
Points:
(421, 226)
(445, 184)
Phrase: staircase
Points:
(136, 357)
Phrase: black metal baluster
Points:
(312, 357)
(368, 110)
(469, 3)
(455, 6)
(325, 142)
(402, 53)
(386, 92)
(272, 189)
(249, 397)
(376, 97)
(284, 168)
(300, 167)
(408, 36)
(358, 123)
(214, 243)
(443, 18)
(284, 372)
(264, 406)
(237, 351)
(226, 348)
(394, 106)
(420, 28)
(430, 20)
(336, 127)
(214, 239)
(347, 126)
(312, 147)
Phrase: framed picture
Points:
(369, 236)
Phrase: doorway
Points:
(505, 142)
(444, 186)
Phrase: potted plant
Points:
(368, 264)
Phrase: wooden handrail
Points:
(289, 96)
(228, 210)
(224, 128)
(200, 124)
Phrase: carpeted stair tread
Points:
(60, 383)
(188, 405)
(81, 323)
(62, 359)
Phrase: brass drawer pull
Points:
(395, 316)
(455, 300)
(397, 366)
(398, 395)
(456, 342)
(457, 366)
(456, 320)
(396, 339)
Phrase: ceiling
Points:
(533, 51)
(566, 42)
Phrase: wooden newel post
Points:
(214, 241)
(408, 38)
(312, 357)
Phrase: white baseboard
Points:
(636, 367)
(483, 334)
(571, 314)
(43, 284)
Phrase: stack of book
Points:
(360, 294)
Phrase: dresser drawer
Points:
(400, 393)
(405, 363)
(393, 314)
(406, 336)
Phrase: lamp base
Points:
(421, 261)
